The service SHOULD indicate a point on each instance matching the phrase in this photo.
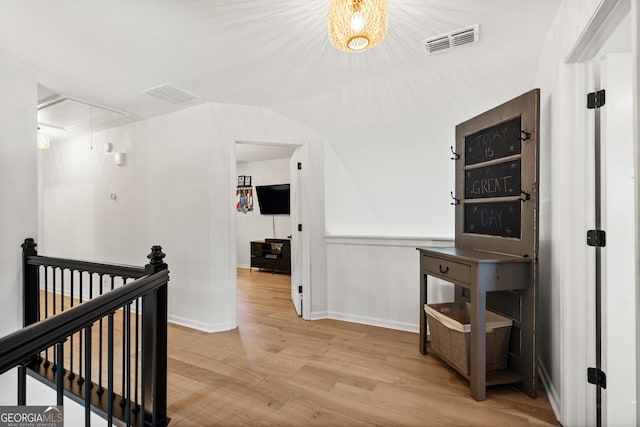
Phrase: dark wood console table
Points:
(482, 272)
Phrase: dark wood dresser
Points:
(271, 254)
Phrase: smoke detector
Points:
(171, 94)
(453, 39)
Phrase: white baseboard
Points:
(372, 321)
(552, 393)
(246, 267)
(317, 315)
(201, 326)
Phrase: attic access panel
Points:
(497, 178)
(70, 114)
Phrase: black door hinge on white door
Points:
(299, 227)
(597, 238)
(299, 289)
(597, 377)
(595, 99)
(299, 166)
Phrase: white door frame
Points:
(618, 257)
(635, 67)
(578, 396)
(298, 236)
(304, 240)
(635, 58)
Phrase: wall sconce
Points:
(43, 140)
(120, 158)
(108, 147)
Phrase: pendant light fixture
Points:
(357, 25)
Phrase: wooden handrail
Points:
(19, 347)
(89, 266)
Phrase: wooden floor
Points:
(277, 369)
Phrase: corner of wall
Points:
(552, 393)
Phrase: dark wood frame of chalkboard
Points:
(496, 272)
(520, 306)
(527, 107)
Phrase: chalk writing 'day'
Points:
(493, 218)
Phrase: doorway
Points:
(272, 162)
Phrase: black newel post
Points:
(30, 305)
(154, 343)
(30, 284)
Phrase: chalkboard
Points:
(498, 180)
(493, 218)
(493, 143)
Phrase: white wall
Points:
(177, 191)
(79, 217)
(18, 189)
(252, 225)
(388, 167)
(376, 281)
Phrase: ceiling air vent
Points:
(171, 94)
(452, 39)
(438, 44)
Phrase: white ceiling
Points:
(268, 53)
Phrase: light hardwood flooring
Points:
(74, 347)
(276, 369)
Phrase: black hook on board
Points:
(456, 156)
(526, 135)
(455, 201)
(526, 195)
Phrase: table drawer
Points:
(447, 270)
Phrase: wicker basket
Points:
(450, 331)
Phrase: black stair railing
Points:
(105, 348)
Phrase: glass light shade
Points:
(357, 25)
(43, 141)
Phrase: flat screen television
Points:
(273, 199)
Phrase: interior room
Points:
(130, 126)
(263, 205)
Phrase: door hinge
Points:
(299, 289)
(597, 377)
(299, 165)
(299, 227)
(595, 99)
(597, 238)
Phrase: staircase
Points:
(96, 333)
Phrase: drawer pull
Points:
(443, 270)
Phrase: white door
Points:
(618, 256)
(297, 273)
